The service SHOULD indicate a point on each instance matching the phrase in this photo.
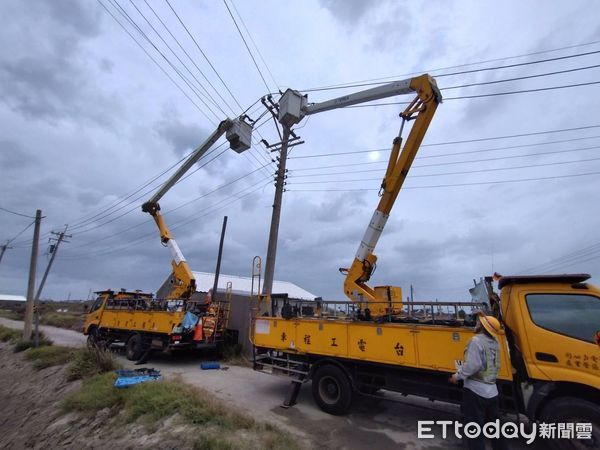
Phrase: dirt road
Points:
(386, 422)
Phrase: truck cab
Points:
(552, 324)
(94, 314)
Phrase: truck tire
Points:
(133, 349)
(573, 410)
(332, 390)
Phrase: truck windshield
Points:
(577, 316)
(97, 304)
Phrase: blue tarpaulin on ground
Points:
(130, 377)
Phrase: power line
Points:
(154, 61)
(485, 69)
(552, 152)
(148, 192)
(572, 263)
(188, 55)
(120, 232)
(132, 22)
(464, 141)
(462, 65)
(202, 52)
(20, 232)
(568, 258)
(145, 193)
(441, 155)
(449, 185)
(16, 213)
(80, 221)
(179, 59)
(246, 44)
(448, 173)
(255, 46)
(525, 77)
(212, 67)
(206, 212)
(494, 94)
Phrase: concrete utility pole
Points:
(53, 251)
(274, 231)
(31, 284)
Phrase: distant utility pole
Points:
(3, 248)
(31, 284)
(53, 250)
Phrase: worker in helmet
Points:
(478, 372)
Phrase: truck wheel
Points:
(332, 390)
(573, 410)
(133, 349)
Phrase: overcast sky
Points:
(87, 118)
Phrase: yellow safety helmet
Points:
(490, 323)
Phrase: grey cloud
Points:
(71, 14)
(336, 208)
(348, 11)
(183, 137)
(391, 33)
(12, 155)
(46, 75)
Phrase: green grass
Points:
(69, 321)
(152, 402)
(48, 356)
(96, 393)
(11, 314)
(22, 345)
(87, 362)
(9, 335)
(211, 442)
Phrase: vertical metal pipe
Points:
(218, 269)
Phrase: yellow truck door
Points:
(561, 325)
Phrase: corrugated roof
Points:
(243, 285)
(12, 298)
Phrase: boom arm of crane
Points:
(389, 298)
(239, 137)
(294, 107)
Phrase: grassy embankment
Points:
(15, 337)
(211, 424)
(70, 317)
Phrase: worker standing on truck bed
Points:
(478, 372)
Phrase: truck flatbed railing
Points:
(446, 313)
(168, 305)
